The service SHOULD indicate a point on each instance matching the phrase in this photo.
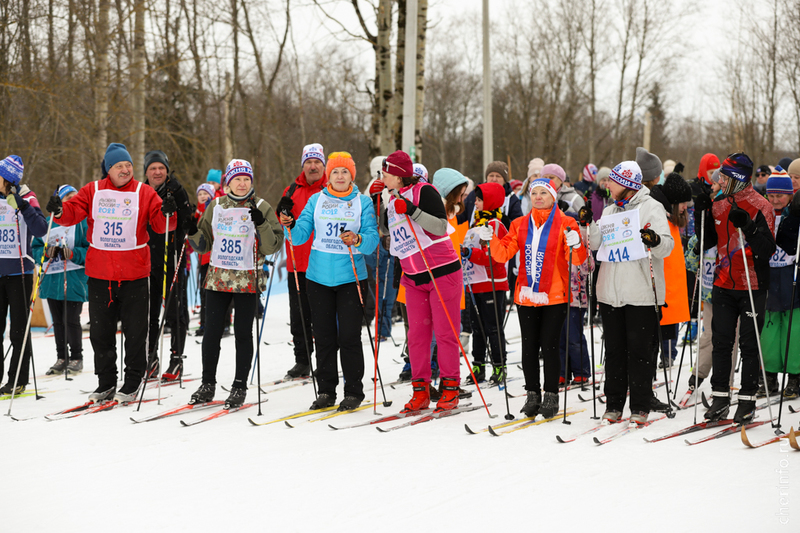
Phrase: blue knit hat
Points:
(779, 182)
(208, 188)
(11, 169)
(238, 167)
(115, 153)
(628, 174)
(447, 179)
(214, 175)
(65, 190)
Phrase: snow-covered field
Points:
(101, 472)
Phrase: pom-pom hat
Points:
(628, 174)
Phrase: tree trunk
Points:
(422, 26)
(399, 72)
(101, 90)
(138, 90)
(227, 144)
(384, 57)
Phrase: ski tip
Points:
(597, 441)
(184, 424)
(559, 439)
(469, 430)
(288, 425)
(492, 432)
(134, 420)
(381, 429)
(253, 422)
(333, 427)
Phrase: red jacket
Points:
(300, 195)
(122, 265)
(479, 256)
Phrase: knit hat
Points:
(208, 188)
(738, 168)
(497, 166)
(669, 166)
(535, 167)
(780, 182)
(551, 169)
(649, 164)
(421, 172)
(341, 159)
(398, 164)
(514, 184)
(312, 151)
(603, 172)
(628, 174)
(492, 194)
(238, 167)
(115, 153)
(707, 162)
(547, 184)
(65, 190)
(447, 179)
(214, 175)
(11, 169)
(785, 162)
(794, 168)
(156, 156)
(589, 173)
(375, 167)
(676, 189)
(765, 168)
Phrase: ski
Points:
(589, 431)
(746, 439)
(772, 401)
(628, 429)
(178, 410)
(730, 430)
(153, 384)
(289, 417)
(91, 408)
(335, 413)
(23, 395)
(434, 415)
(693, 428)
(498, 426)
(793, 410)
(217, 414)
(684, 403)
(531, 423)
(484, 385)
(388, 418)
(793, 440)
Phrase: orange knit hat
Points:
(341, 159)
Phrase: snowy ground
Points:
(102, 472)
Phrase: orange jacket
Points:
(677, 297)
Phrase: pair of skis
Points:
(523, 423)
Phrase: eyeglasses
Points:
(761, 174)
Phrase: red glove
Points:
(404, 207)
(376, 187)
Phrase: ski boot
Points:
(75, 366)
(153, 367)
(720, 405)
(479, 370)
(421, 398)
(658, 406)
(745, 410)
(772, 386)
(639, 418)
(449, 397)
(549, 406)
(236, 397)
(57, 368)
(611, 416)
(498, 375)
(174, 370)
(792, 389)
(323, 401)
(692, 380)
(533, 402)
(101, 394)
(405, 374)
(434, 369)
(127, 393)
(350, 403)
(299, 370)
(204, 394)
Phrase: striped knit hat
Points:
(628, 174)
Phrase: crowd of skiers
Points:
(638, 248)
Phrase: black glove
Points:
(585, 216)
(738, 217)
(190, 226)
(54, 205)
(603, 192)
(679, 168)
(53, 251)
(563, 205)
(168, 205)
(285, 206)
(702, 203)
(257, 216)
(794, 207)
(650, 238)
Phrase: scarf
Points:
(338, 194)
(483, 217)
(242, 199)
(540, 243)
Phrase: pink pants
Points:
(426, 314)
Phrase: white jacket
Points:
(628, 282)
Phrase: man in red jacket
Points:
(310, 181)
(118, 209)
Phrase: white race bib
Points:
(621, 238)
(474, 273)
(234, 238)
(780, 258)
(403, 243)
(61, 236)
(332, 216)
(9, 236)
(709, 265)
(115, 215)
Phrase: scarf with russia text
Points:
(539, 272)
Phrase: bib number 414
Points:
(617, 256)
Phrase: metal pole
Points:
(488, 142)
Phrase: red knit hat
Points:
(398, 164)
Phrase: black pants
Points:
(337, 316)
(296, 324)
(732, 306)
(216, 315)
(541, 329)
(73, 327)
(15, 292)
(201, 275)
(483, 323)
(629, 335)
(128, 300)
(177, 313)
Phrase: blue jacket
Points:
(52, 286)
(331, 269)
(37, 227)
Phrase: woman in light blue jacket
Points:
(342, 224)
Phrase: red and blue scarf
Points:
(540, 262)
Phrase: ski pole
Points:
(480, 318)
(500, 336)
(377, 290)
(670, 413)
(788, 336)
(446, 313)
(64, 320)
(274, 261)
(255, 286)
(755, 326)
(688, 332)
(300, 306)
(699, 310)
(566, 359)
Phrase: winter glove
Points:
(585, 216)
(168, 206)
(650, 238)
(285, 206)
(66, 253)
(350, 238)
(603, 192)
(54, 205)
(679, 168)
(573, 240)
(53, 251)
(564, 206)
(794, 207)
(403, 206)
(738, 217)
(16, 201)
(257, 216)
(485, 233)
(466, 252)
(190, 226)
(376, 187)
(702, 202)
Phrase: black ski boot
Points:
(174, 370)
(236, 397)
(479, 369)
(323, 401)
(204, 394)
(772, 386)
(792, 389)
(746, 410)
(299, 370)
(57, 368)
(720, 405)
(658, 406)
(533, 402)
(692, 380)
(405, 373)
(498, 375)
(350, 403)
(549, 406)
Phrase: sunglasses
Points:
(763, 174)
(386, 166)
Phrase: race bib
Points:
(709, 265)
(473, 273)
(61, 236)
(332, 216)
(621, 238)
(115, 215)
(234, 238)
(780, 258)
(9, 235)
(403, 243)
